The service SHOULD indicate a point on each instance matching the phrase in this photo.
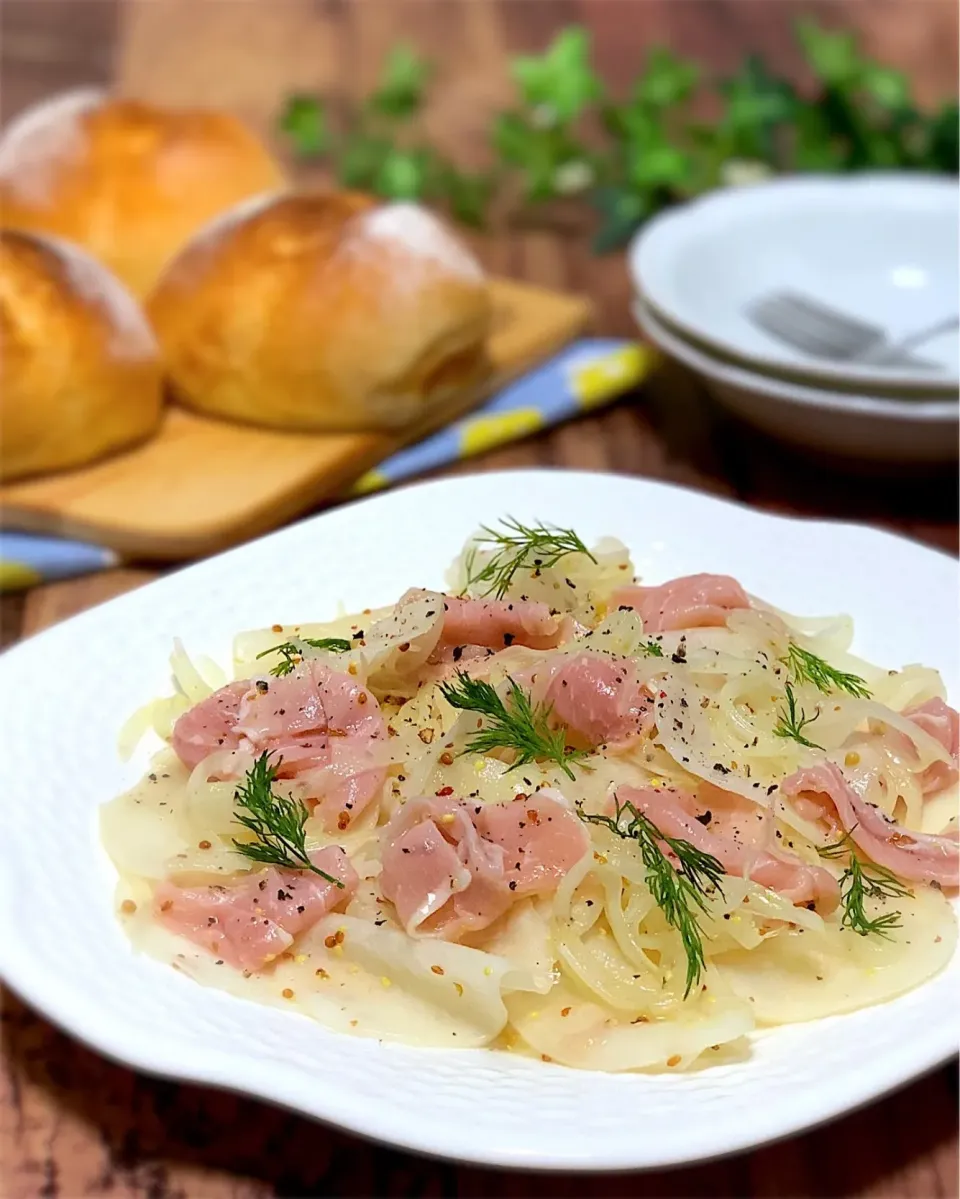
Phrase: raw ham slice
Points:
(325, 726)
(690, 602)
(721, 824)
(247, 924)
(596, 696)
(942, 722)
(451, 867)
(501, 623)
(917, 857)
(209, 725)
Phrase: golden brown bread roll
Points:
(81, 373)
(127, 181)
(322, 312)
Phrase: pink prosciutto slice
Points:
(721, 824)
(943, 723)
(595, 696)
(209, 725)
(250, 922)
(690, 602)
(499, 624)
(917, 857)
(326, 727)
(451, 867)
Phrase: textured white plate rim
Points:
(73, 1003)
(886, 408)
(653, 249)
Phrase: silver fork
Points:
(823, 332)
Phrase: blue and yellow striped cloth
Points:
(587, 374)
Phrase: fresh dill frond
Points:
(862, 881)
(277, 821)
(291, 655)
(652, 649)
(677, 890)
(538, 546)
(791, 724)
(805, 667)
(517, 724)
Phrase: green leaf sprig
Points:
(518, 547)
(516, 724)
(679, 891)
(651, 152)
(291, 655)
(805, 667)
(792, 722)
(380, 149)
(861, 881)
(278, 822)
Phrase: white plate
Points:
(855, 426)
(883, 247)
(67, 690)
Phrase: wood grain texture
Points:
(73, 1124)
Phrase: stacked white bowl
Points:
(879, 248)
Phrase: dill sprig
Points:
(539, 546)
(652, 649)
(277, 821)
(805, 667)
(516, 724)
(291, 655)
(791, 723)
(677, 890)
(862, 881)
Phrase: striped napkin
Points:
(587, 374)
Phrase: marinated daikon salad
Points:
(553, 810)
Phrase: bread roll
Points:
(322, 312)
(127, 181)
(80, 369)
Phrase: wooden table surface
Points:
(72, 1124)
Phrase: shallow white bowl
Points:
(883, 247)
(875, 428)
(66, 692)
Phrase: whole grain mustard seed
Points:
(287, 993)
(852, 759)
(674, 1060)
(204, 845)
(437, 969)
(128, 907)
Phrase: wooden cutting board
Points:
(201, 485)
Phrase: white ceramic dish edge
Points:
(857, 426)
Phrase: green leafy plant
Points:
(861, 881)
(518, 547)
(518, 724)
(379, 147)
(277, 822)
(678, 888)
(629, 157)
